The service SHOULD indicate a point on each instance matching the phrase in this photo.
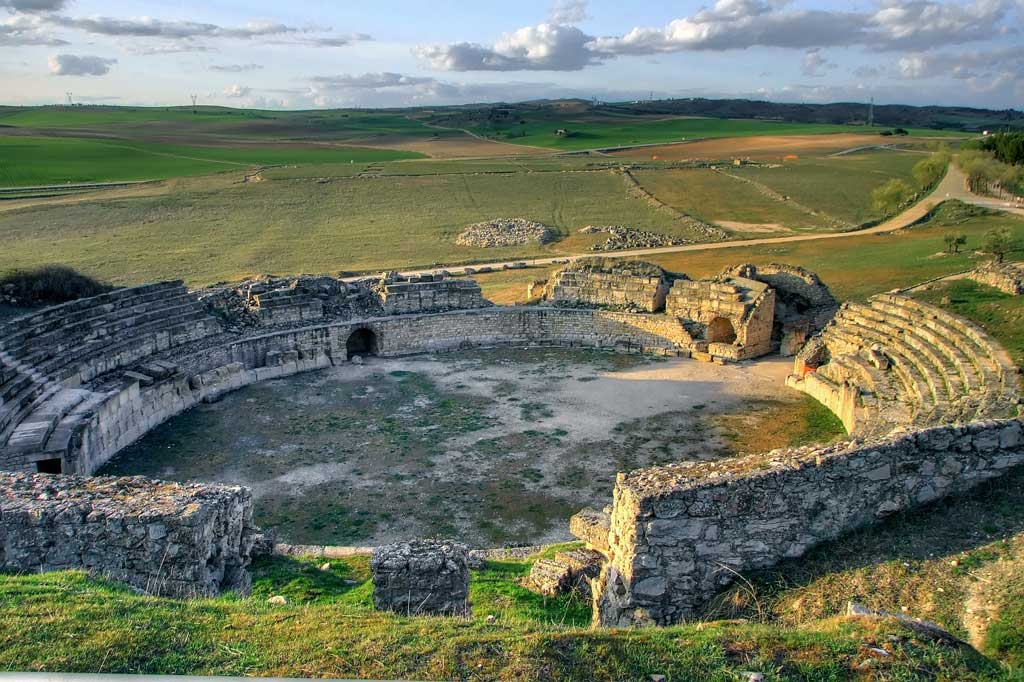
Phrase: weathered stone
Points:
(592, 527)
(162, 538)
(421, 577)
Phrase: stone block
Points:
(592, 527)
(421, 577)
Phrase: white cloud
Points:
(237, 91)
(18, 31)
(814, 64)
(734, 25)
(568, 11)
(80, 65)
(235, 68)
(545, 47)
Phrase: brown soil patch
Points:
(458, 147)
(760, 147)
(768, 228)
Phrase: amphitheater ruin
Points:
(931, 404)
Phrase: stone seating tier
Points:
(944, 368)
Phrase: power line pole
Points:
(71, 102)
(194, 98)
(871, 113)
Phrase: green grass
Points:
(70, 623)
(853, 267)
(27, 161)
(840, 186)
(206, 231)
(714, 197)
(611, 133)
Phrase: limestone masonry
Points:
(421, 577)
(163, 538)
(1007, 277)
(931, 402)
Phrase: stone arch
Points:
(720, 330)
(361, 342)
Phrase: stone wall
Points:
(162, 538)
(679, 532)
(429, 293)
(1007, 277)
(642, 288)
(128, 408)
(748, 307)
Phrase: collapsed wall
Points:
(162, 538)
(679, 533)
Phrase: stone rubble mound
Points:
(621, 238)
(421, 577)
(505, 232)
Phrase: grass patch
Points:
(71, 623)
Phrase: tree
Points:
(954, 240)
(998, 242)
(889, 197)
(929, 171)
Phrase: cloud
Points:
(545, 47)
(235, 68)
(80, 65)
(237, 91)
(867, 72)
(568, 11)
(1003, 64)
(370, 81)
(736, 25)
(186, 34)
(20, 31)
(814, 64)
(34, 5)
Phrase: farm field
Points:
(853, 267)
(840, 186)
(587, 134)
(759, 147)
(30, 161)
(735, 205)
(206, 233)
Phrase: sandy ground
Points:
(493, 447)
(760, 147)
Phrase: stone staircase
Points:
(915, 365)
(48, 358)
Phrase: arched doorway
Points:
(362, 342)
(720, 330)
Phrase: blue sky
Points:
(315, 53)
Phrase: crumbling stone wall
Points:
(428, 293)
(679, 532)
(629, 285)
(1005, 276)
(747, 305)
(162, 538)
(421, 577)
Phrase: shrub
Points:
(50, 284)
(889, 197)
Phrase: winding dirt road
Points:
(952, 186)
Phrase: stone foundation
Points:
(162, 538)
(1005, 276)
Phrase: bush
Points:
(50, 284)
(889, 197)
(927, 172)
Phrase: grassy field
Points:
(205, 231)
(67, 622)
(27, 161)
(840, 186)
(853, 267)
(717, 198)
(592, 134)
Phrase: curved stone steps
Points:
(920, 387)
(993, 356)
(963, 375)
(876, 380)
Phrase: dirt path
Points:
(953, 186)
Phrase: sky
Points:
(322, 53)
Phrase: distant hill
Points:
(965, 119)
